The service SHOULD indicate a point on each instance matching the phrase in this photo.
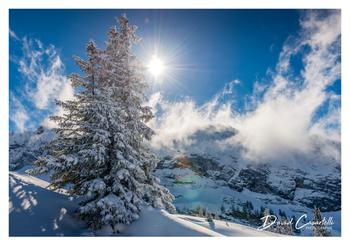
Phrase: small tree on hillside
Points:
(319, 229)
(285, 226)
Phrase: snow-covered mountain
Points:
(205, 172)
(208, 155)
(207, 176)
(25, 147)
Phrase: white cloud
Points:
(176, 121)
(43, 69)
(235, 81)
(281, 120)
(20, 115)
(154, 100)
(43, 77)
(13, 35)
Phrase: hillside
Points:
(38, 211)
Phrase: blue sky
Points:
(204, 51)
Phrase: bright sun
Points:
(156, 66)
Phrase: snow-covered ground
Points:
(36, 210)
(160, 223)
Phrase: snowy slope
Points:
(37, 211)
(160, 223)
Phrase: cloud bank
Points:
(43, 81)
(291, 114)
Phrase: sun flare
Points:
(156, 66)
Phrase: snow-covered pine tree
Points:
(100, 149)
(200, 211)
(284, 226)
(269, 221)
(319, 229)
(295, 229)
